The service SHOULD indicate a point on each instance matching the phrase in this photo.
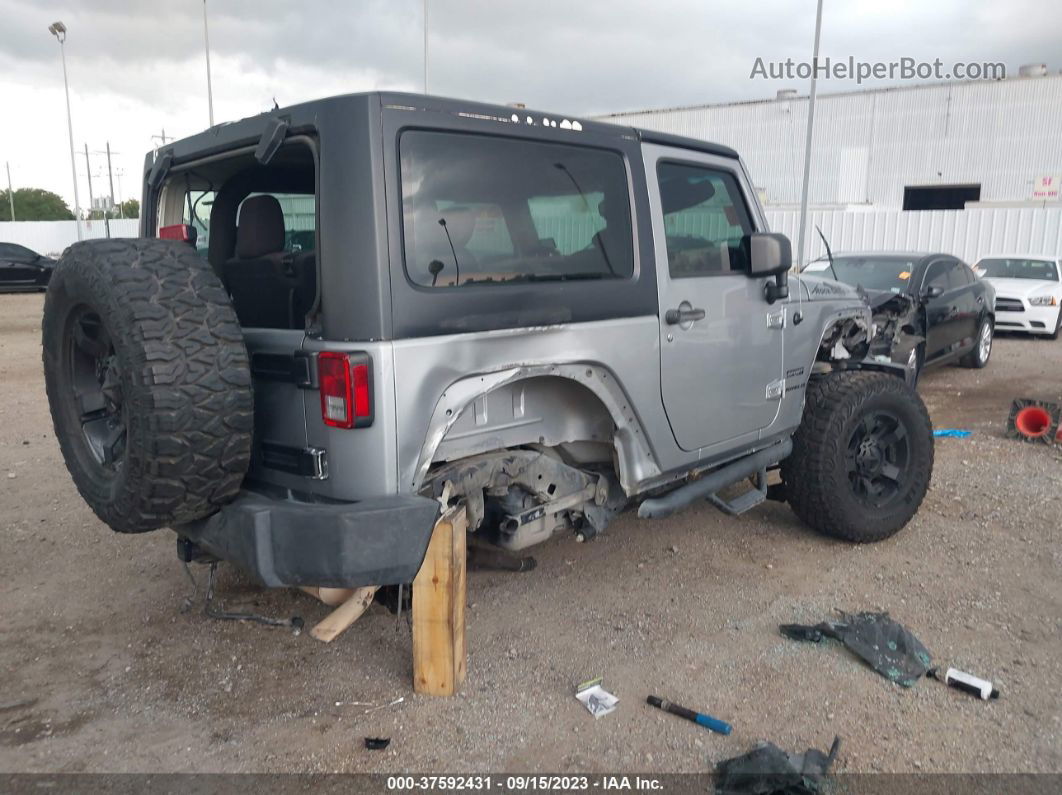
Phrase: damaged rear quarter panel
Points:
(444, 384)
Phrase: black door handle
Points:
(980, 299)
(674, 317)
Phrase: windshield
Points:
(891, 274)
(1043, 270)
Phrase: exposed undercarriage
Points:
(519, 497)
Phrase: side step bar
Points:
(706, 487)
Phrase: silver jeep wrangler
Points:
(343, 314)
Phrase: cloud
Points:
(137, 66)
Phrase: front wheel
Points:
(862, 457)
(913, 365)
(978, 357)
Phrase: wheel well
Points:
(550, 411)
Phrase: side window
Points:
(705, 219)
(494, 211)
(938, 275)
(197, 213)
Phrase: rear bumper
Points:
(380, 541)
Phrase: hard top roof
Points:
(304, 114)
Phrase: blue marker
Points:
(707, 721)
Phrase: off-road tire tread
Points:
(186, 379)
(816, 490)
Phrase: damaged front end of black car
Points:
(898, 331)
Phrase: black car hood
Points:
(886, 299)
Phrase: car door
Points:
(721, 343)
(16, 265)
(942, 296)
(970, 300)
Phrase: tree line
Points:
(37, 204)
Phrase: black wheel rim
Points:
(877, 458)
(96, 382)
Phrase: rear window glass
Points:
(484, 210)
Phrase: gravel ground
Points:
(102, 672)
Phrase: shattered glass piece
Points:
(886, 646)
(768, 770)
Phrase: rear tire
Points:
(982, 349)
(148, 382)
(862, 457)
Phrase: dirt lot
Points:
(102, 672)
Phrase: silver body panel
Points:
(613, 391)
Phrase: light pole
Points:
(807, 144)
(206, 43)
(58, 29)
(10, 191)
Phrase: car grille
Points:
(1009, 305)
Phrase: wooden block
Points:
(330, 596)
(439, 609)
(343, 616)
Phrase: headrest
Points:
(260, 230)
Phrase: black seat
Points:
(270, 288)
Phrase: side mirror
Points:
(770, 254)
(934, 291)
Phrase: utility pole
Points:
(162, 139)
(110, 179)
(206, 42)
(88, 172)
(807, 145)
(10, 191)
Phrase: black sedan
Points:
(22, 269)
(929, 309)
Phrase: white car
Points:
(1028, 292)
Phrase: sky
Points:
(137, 67)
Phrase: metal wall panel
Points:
(51, 237)
(868, 145)
(968, 234)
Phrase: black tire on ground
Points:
(862, 457)
(148, 382)
(978, 357)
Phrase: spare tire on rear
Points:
(148, 382)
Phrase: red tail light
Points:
(183, 232)
(346, 389)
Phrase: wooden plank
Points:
(343, 616)
(330, 596)
(439, 609)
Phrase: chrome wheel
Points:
(912, 366)
(984, 342)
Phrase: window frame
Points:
(947, 263)
(733, 174)
(475, 288)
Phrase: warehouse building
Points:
(985, 143)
